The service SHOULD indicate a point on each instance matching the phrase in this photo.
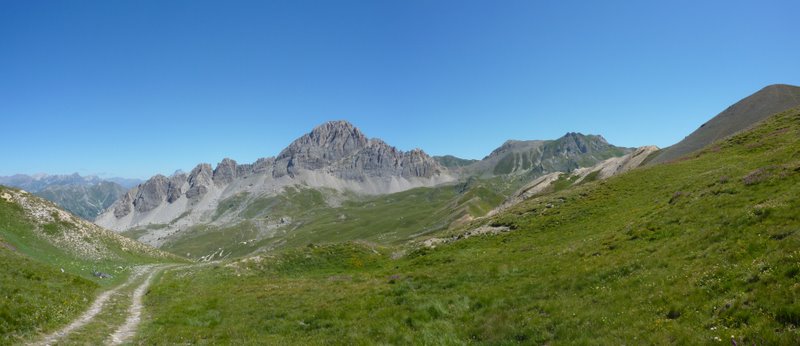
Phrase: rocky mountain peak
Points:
(575, 142)
(336, 138)
(151, 193)
(225, 172)
(577, 136)
(325, 145)
(332, 130)
(199, 179)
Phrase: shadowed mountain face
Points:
(86, 201)
(740, 116)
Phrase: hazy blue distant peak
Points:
(125, 182)
(37, 182)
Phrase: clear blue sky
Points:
(134, 88)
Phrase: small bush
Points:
(51, 229)
(788, 315)
(676, 196)
(673, 313)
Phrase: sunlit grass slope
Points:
(700, 251)
(47, 258)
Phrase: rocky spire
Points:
(225, 172)
(200, 178)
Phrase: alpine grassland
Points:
(704, 250)
(36, 296)
(46, 272)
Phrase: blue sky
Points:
(135, 88)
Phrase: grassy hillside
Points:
(36, 296)
(701, 251)
(738, 117)
(47, 258)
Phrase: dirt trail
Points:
(128, 329)
(99, 304)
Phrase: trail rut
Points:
(128, 328)
(134, 311)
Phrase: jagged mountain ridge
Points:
(333, 155)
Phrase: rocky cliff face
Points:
(333, 155)
(322, 147)
(199, 179)
(225, 172)
(341, 149)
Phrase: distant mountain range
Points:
(343, 165)
(85, 196)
